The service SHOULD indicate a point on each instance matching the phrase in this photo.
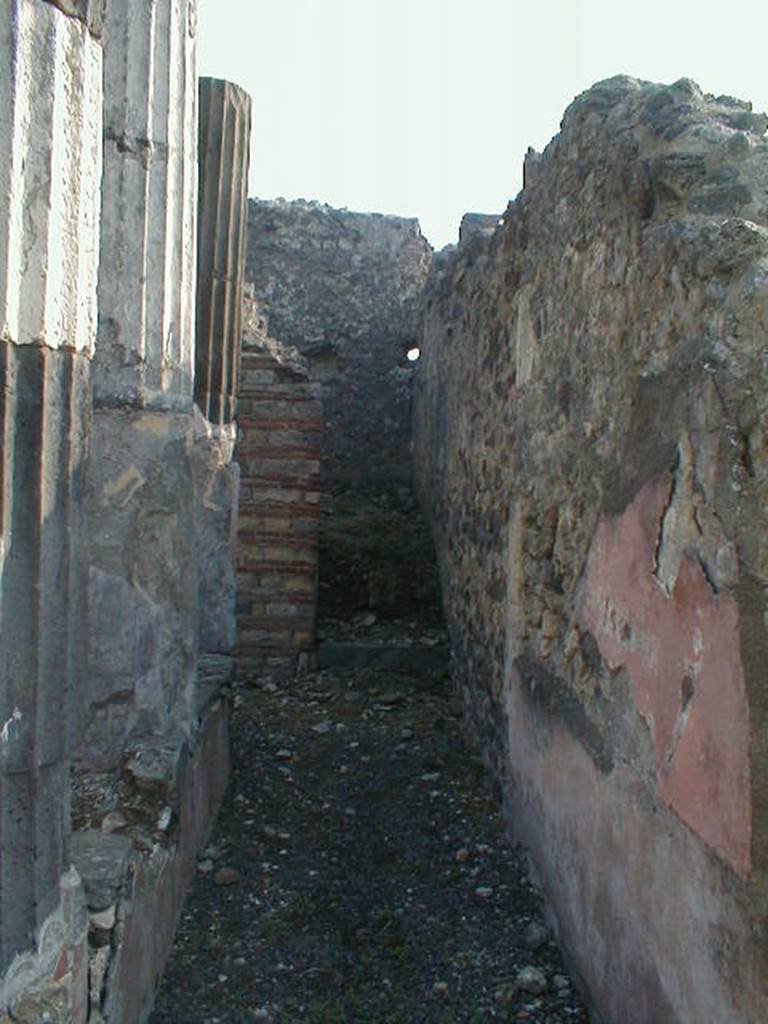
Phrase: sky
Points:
(425, 108)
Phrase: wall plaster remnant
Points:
(590, 415)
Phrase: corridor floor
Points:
(359, 872)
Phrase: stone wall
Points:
(343, 289)
(590, 420)
(280, 426)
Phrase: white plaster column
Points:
(225, 135)
(147, 275)
(143, 574)
(50, 175)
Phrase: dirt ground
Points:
(359, 872)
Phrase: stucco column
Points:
(225, 131)
(141, 496)
(50, 171)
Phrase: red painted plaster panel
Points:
(681, 650)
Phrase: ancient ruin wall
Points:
(343, 288)
(591, 408)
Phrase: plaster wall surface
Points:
(343, 288)
(217, 488)
(590, 421)
(143, 580)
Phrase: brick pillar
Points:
(280, 423)
(143, 576)
(50, 170)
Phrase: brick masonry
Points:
(279, 432)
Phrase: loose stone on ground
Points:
(360, 872)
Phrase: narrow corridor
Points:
(359, 872)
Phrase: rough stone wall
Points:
(50, 138)
(590, 416)
(343, 289)
(280, 425)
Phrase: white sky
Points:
(426, 107)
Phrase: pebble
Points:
(322, 728)
(284, 754)
(535, 935)
(504, 995)
(226, 876)
(406, 734)
(440, 988)
(560, 981)
(392, 697)
(113, 822)
(484, 892)
(205, 867)
(532, 980)
(462, 855)
(104, 920)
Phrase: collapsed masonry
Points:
(117, 494)
(590, 424)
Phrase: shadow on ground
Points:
(359, 872)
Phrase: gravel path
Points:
(359, 872)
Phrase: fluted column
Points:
(50, 171)
(146, 284)
(225, 132)
(224, 143)
(143, 575)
